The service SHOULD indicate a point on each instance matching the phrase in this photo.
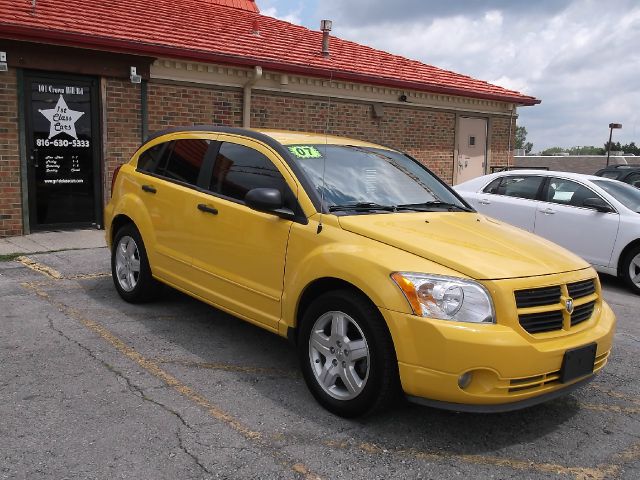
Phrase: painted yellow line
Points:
(228, 367)
(154, 369)
(601, 472)
(601, 407)
(40, 267)
(619, 395)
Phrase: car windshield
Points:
(358, 178)
(626, 194)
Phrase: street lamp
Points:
(611, 127)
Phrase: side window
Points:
(493, 186)
(633, 180)
(183, 160)
(613, 175)
(520, 186)
(239, 169)
(568, 192)
(148, 160)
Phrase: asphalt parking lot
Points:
(92, 387)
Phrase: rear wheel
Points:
(347, 355)
(631, 269)
(130, 267)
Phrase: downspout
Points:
(246, 104)
(513, 108)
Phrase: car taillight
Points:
(113, 179)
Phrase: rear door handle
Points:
(484, 202)
(207, 209)
(149, 188)
(548, 211)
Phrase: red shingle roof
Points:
(223, 31)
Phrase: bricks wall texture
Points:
(123, 130)
(500, 154)
(427, 135)
(10, 190)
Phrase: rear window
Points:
(183, 159)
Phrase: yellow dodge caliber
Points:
(385, 279)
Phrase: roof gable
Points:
(232, 32)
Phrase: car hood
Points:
(472, 244)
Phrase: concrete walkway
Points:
(52, 241)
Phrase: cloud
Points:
(580, 57)
(291, 17)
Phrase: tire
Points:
(130, 268)
(631, 270)
(347, 355)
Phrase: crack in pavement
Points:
(133, 389)
(155, 370)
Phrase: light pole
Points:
(611, 127)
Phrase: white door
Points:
(562, 219)
(472, 148)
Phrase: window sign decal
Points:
(62, 118)
(61, 140)
(305, 151)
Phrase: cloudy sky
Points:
(580, 57)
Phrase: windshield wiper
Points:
(363, 206)
(429, 206)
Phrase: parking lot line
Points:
(40, 267)
(152, 366)
(228, 367)
(601, 472)
(154, 369)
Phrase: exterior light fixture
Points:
(611, 127)
(135, 78)
(3, 62)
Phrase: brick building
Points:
(71, 108)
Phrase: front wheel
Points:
(631, 270)
(347, 355)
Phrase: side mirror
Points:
(597, 204)
(268, 200)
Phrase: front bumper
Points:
(507, 367)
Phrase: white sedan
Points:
(594, 217)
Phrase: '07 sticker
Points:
(305, 151)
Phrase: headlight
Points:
(446, 298)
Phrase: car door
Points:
(169, 178)
(239, 253)
(562, 218)
(512, 199)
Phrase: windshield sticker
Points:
(305, 151)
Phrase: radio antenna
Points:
(324, 156)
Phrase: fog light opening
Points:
(464, 380)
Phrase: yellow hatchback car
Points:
(385, 279)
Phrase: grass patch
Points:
(10, 256)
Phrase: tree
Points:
(631, 148)
(553, 151)
(521, 140)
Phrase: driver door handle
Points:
(207, 209)
(484, 202)
(149, 188)
(548, 211)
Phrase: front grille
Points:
(535, 297)
(541, 322)
(535, 382)
(581, 289)
(544, 309)
(582, 313)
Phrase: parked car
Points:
(625, 173)
(384, 278)
(594, 217)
